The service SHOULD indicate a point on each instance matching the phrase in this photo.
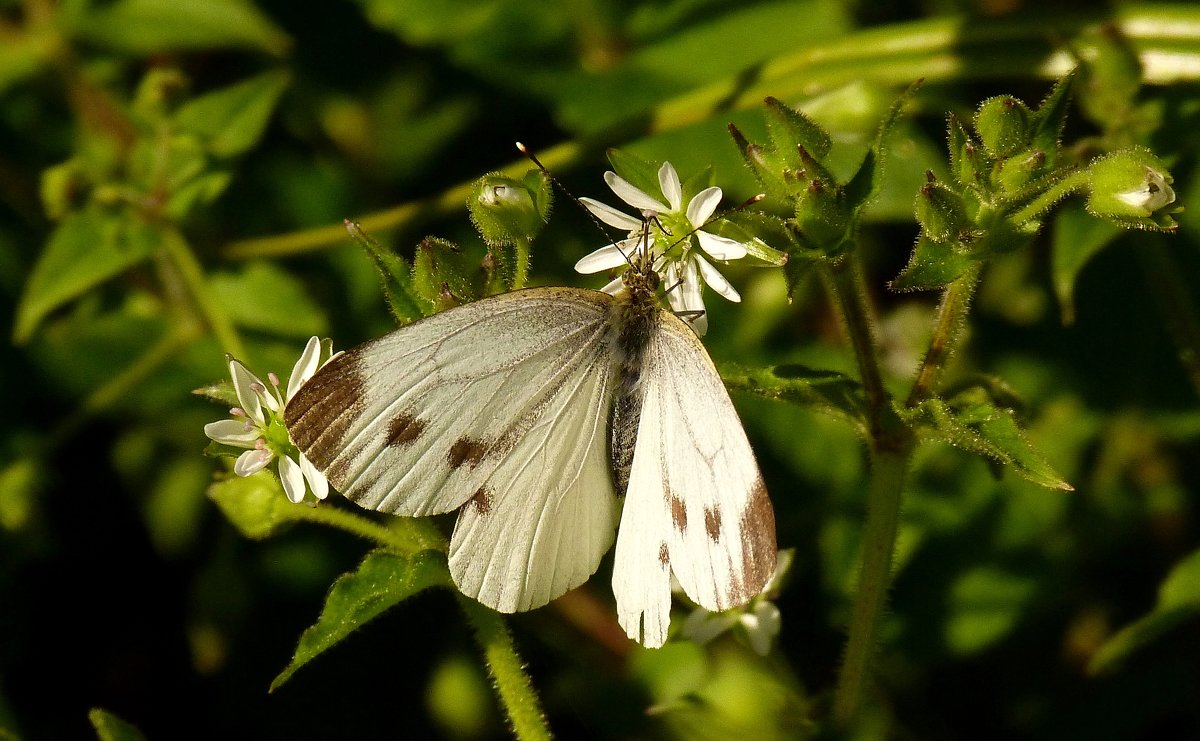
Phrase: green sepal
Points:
(823, 390)
(394, 272)
(641, 174)
(972, 422)
(221, 392)
(776, 179)
(940, 212)
(745, 226)
(1178, 603)
(1003, 124)
(969, 165)
(438, 279)
(1015, 173)
(383, 580)
(505, 211)
(932, 265)
(789, 130)
(867, 181)
(1050, 118)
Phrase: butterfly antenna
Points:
(546, 171)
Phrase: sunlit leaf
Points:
(85, 250)
(109, 727)
(978, 426)
(383, 580)
(230, 121)
(266, 297)
(1178, 601)
(826, 391)
(142, 26)
(256, 505)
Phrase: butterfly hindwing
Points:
(496, 408)
(696, 504)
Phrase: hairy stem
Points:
(1075, 182)
(192, 276)
(521, 268)
(948, 326)
(406, 535)
(850, 290)
(884, 496)
(513, 686)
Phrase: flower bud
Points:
(1017, 171)
(940, 212)
(1131, 184)
(505, 210)
(1003, 125)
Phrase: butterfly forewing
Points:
(696, 504)
(498, 408)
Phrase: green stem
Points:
(1050, 198)
(521, 269)
(941, 49)
(1176, 304)
(513, 687)
(884, 496)
(406, 535)
(192, 275)
(849, 288)
(948, 325)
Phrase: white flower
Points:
(1152, 196)
(760, 618)
(682, 269)
(258, 426)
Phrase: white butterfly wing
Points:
(499, 405)
(696, 503)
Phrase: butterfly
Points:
(543, 417)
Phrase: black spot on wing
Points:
(403, 430)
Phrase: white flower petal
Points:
(305, 367)
(614, 286)
(252, 461)
(606, 258)
(783, 564)
(249, 399)
(672, 287)
(633, 195)
(611, 216)
(668, 180)
(721, 248)
(716, 281)
(703, 206)
(762, 625)
(692, 299)
(292, 478)
(316, 480)
(232, 432)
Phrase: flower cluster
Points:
(681, 264)
(258, 426)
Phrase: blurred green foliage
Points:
(173, 180)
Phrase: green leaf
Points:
(976, 425)
(256, 505)
(85, 250)
(984, 606)
(230, 121)
(21, 56)
(1077, 236)
(1050, 118)
(265, 297)
(932, 265)
(111, 728)
(147, 26)
(1178, 601)
(826, 391)
(384, 579)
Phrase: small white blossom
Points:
(258, 426)
(683, 269)
(1152, 196)
(760, 618)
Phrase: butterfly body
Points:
(535, 414)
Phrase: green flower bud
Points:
(967, 162)
(1132, 186)
(1017, 171)
(940, 212)
(505, 210)
(437, 276)
(1003, 125)
(821, 216)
